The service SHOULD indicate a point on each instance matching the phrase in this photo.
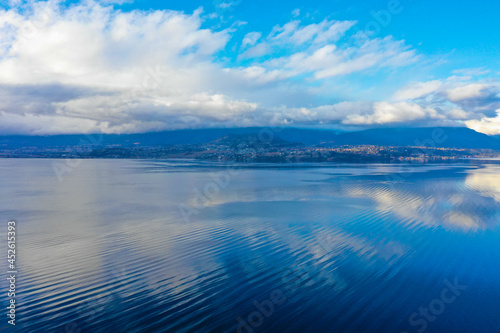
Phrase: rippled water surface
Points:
(159, 246)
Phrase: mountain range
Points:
(445, 137)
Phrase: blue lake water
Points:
(180, 246)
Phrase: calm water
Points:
(158, 246)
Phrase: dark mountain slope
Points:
(446, 137)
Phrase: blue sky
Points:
(103, 66)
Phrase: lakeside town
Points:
(248, 148)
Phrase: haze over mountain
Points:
(448, 137)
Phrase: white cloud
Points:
(465, 92)
(486, 125)
(94, 45)
(471, 71)
(324, 32)
(250, 39)
(418, 90)
(330, 60)
(325, 114)
(130, 67)
(43, 124)
(256, 51)
(458, 114)
(258, 75)
(385, 113)
(293, 35)
(471, 102)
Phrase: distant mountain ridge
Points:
(445, 137)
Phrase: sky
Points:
(138, 66)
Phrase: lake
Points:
(185, 246)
